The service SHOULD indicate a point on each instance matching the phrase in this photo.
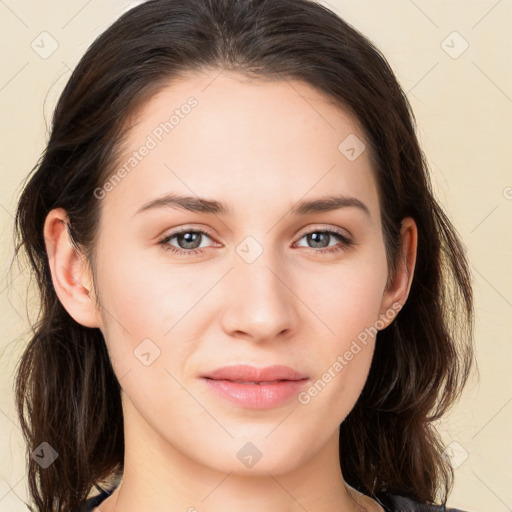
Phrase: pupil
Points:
(316, 239)
(191, 240)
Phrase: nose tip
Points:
(258, 303)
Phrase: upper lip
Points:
(247, 373)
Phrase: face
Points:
(264, 274)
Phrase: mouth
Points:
(255, 388)
(253, 374)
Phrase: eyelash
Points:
(164, 242)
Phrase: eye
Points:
(189, 241)
(319, 240)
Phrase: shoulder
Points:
(390, 502)
(395, 503)
(91, 503)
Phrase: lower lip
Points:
(256, 396)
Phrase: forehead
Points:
(214, 133)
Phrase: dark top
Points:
(389, 502)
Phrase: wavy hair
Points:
(66, 391)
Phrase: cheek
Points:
(138, 304)
(346, 302)
(347, 297)
(145, 297)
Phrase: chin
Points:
(259, 456)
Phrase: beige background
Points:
(462, 99)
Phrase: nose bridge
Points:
(258, 302)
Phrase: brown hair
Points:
(67, 393)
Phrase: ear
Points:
(399, 285)
(71, 275)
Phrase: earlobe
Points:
(70, 272)
(397, 291)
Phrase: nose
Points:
(258, 302)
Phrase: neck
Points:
(162, 478)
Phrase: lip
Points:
(281, 384)
(247, 373)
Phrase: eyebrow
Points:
(203, 205)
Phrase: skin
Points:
(261, 147)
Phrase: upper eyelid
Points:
(331, 229)
(173, 234)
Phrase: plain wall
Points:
(462, 99)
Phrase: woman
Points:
(250, 297)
